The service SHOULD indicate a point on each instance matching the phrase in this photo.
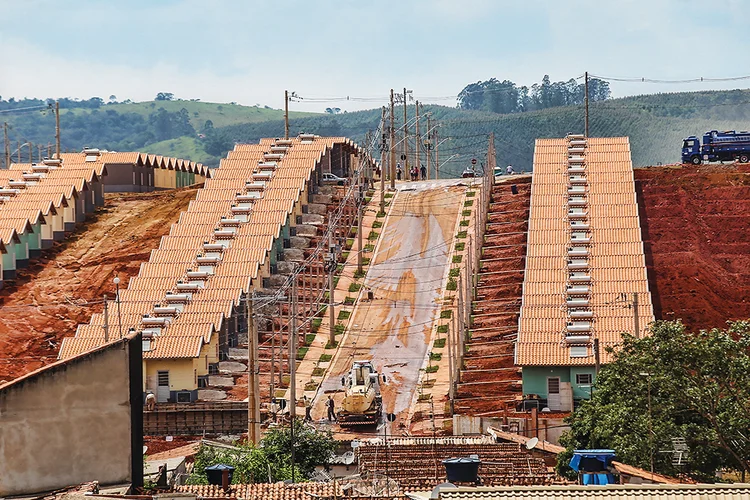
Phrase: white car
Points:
(329, 178)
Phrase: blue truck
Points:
(717, 146)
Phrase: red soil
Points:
(695, 224)
(48, 300)
(489, 378)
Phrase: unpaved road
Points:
(50, 298)
(407, 277)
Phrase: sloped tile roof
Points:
(616, 258)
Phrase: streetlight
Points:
(650, 421)
(117, 300)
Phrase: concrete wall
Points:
(535, 379)
(74, 421)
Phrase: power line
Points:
(655, 80)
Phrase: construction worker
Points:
(509, 170)
(331, 412)
(399, 171)
(150, 401)
(424, 172)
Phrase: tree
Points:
(311, 447)
(699, 389)
(112, 99)
(333, 111)
(271, 460)
(164, 96)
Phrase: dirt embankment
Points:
(695, 224)
(490, 378)
(49, 299)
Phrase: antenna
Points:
(531, 443)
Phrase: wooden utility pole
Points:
(392, 147)
(293, 352)
(417, 140)
(7, 145)
(106, 320)
(57, 129)
(49, 150)
(40, 151)
(383, 142)
(449, 346)
(18, 151)
(586, 102)
(406, 138)
(437, 156)
(253, 385)
(331, 270)
(360, 248)
(429, 144)
(597, 362)
(286, 114)
(636, 319)
(31, 152)
(273, 357)
(461, 328)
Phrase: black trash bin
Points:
(214, 473)
(514, 189)
(462, 470)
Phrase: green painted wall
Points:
(535, 379)
(9, 258)
(35, 239)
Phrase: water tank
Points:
(576, 169)
(214, 472)
(462, 470)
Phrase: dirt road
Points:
(407, 277)
(50, 298)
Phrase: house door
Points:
(553, 393)
(162, 390)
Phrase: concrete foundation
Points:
(307, 230)
(293, 255)
(299, 242)
(313, 219)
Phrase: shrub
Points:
(318, 372)
(436, 356)
(301, 352)
(354, 287)
(440, 343)
(471, 194)
(460, 246)
(468, 203)
(331, 346)
(388, 195)
(373, 236)
(431, 369)
(452, 285)
(344, 314)
(454, 272)
(446, 314)
(457, 259)
(377, 224)
(338, 328)
(461, 235)
(309, 338)
(325, 358)
(311, 386)
(315, 324)
(466, 213)
(463, 223)
(349, 301)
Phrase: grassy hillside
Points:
(656, 125)
(188, 148)
(221, 114)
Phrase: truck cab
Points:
(691, 150)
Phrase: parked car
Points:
(469, 172)
(329, 178)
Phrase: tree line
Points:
(507, 97)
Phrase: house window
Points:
(202, 381)
(584, 378)
(579, 351)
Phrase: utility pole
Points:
(461, 328)
(636, 319)
(286, 114)
(437, 156)
(57, 128)
(597, 362)
(586, 102)
(49, 150)
(449, 345)
(360, 206)
(106, 320)
(429, 144)
(40, 151)
(406, 138)
(417, 140)
(253, 385)
(18, 151)
(293, 367)
(7, 145)
(392, 147)
(331, 270)
(383, 143)
(273, 357)
(31, 152)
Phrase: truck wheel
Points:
(744, 158)
(695, 160)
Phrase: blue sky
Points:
(250, 51)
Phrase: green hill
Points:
(221, 114)
(656, 125)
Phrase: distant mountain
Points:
(656, 125)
